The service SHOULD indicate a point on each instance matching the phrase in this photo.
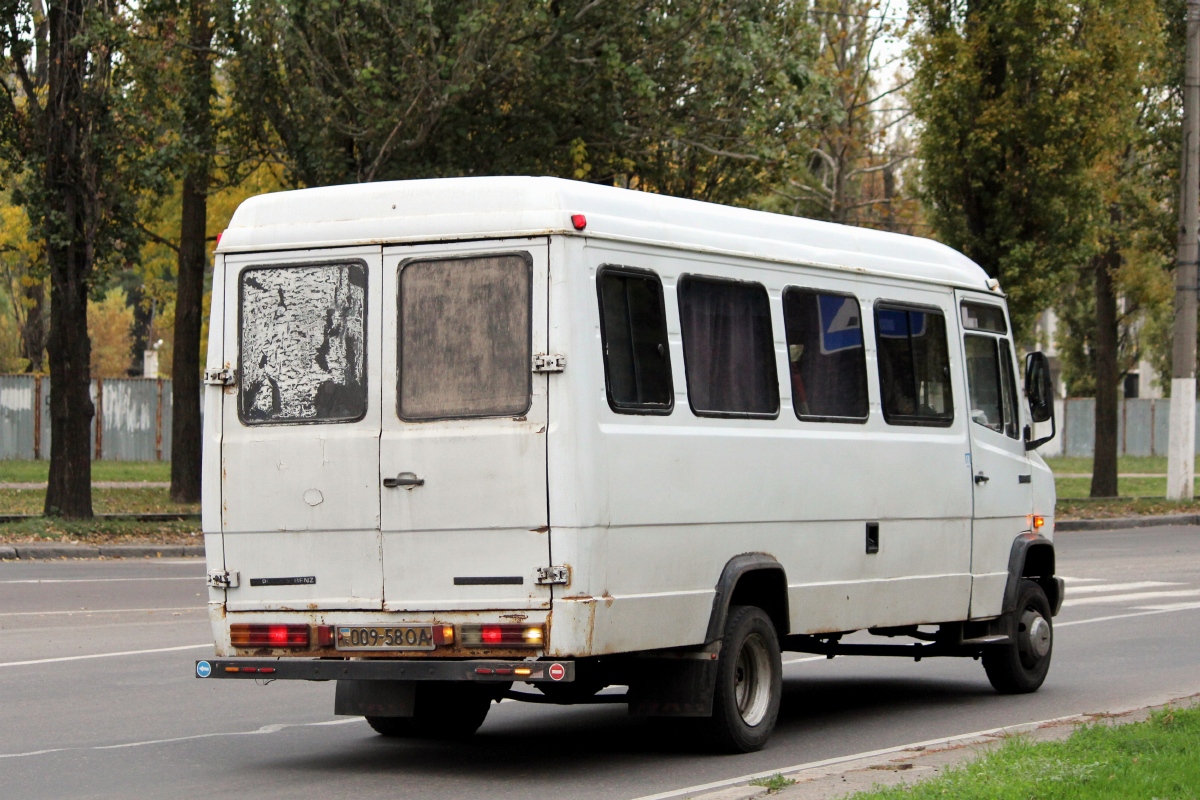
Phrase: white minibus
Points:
(482, 438)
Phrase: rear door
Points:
(463, 453)
(1000, 468)
(300, 438)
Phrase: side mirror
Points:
(1040, 391)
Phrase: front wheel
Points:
(749, 682)
(1020, 666)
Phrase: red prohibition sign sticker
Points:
(557, 672)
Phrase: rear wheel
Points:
(749, 682)
(1020, 666)
(446, 711)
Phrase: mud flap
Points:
(673, 687)
(375, 698)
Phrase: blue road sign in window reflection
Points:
(841, 326)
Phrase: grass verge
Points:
(100, 531)
(104, 501)
(38, 471)
(1158, 758)
(1107, 507)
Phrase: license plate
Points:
(391, 637)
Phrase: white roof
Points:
(483, 208)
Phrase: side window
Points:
(464, 337)
(302, 351)
(990, 379)
(914, 366)
(633, 329)
(983, 380)
(728, 348)
(826, 357)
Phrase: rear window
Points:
(464, 337)
(728, 348)
(826, 357)
(303, 356)
(633, 329)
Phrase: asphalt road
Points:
(138, 725)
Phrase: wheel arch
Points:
(1032, 556)
(753, 579)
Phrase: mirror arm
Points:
(1036, 443)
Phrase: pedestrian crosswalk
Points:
(1134, 595)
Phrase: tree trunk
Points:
(189, 291)
(1104, 465)
(33, 332)
(69, 255)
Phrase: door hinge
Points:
(549, 363)
(222, 579)
(226, 376)
(550, 576)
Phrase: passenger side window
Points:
(728, 348)
(464, 337)
(633, 330)
(826, 357)
(914, 366)
(990, 380)
(302, 350)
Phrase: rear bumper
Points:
(483, 670)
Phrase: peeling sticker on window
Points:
(302, 343)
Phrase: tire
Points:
(1020, 666)
(749, 682)
(392, 727)
(445, 711)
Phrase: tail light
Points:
(254, 635)
(503, 635)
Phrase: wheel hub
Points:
(1035, 634)
(752, 680)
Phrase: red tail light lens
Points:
(255, 635)
(503, 635)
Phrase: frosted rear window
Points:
(303, 356)
(464, 337)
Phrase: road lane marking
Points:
(97, 611)
(102, 580)
(1119, 587)
(276, 728)
(1129, 598)
(807, 658)
(106, 655)
(1069, 580)
(1164, 610)
(827, 762)
(1172, 607)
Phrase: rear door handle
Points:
(981, 478)
(404, 479)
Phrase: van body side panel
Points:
(472, 536)
(670, 499)
(210, 474)
(300, 501)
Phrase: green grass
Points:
(104, 501)
(1085, 508)
(1144, 464)
(774, 783)
(37, 471)
(1159, 758)
(102, 531)
(1075, 488)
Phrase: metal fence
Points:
(132, 422)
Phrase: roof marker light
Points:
(579, 221)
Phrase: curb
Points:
(32, 552)
(1117, 523)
